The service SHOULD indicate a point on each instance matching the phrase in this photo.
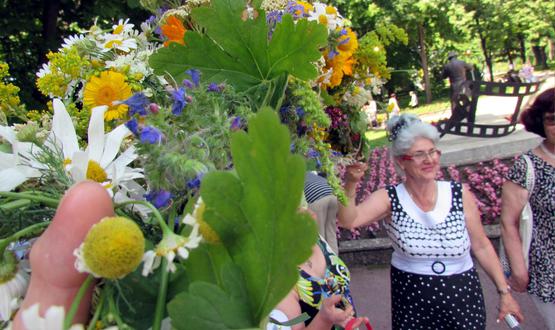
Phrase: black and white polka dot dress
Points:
(434, 284)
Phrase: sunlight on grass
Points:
(376, 138)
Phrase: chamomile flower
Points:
(53, 319)
(170, 246)
(100, 162)
(122, 28)
(14, 279)
(118, 42)
(72, 40)
(197, 218)
(13, 170)
(326, 15)
(44, 70)
(112, 248)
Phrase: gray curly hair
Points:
(405, 129)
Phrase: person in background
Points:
(455, 70)
(433, 226)
(539, 278)
(413, 99)
(392, 105)
(371, 110)
(323, 203)
(526, 73)
(322, 291)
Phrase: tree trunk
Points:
(551, 49)
(522, 48)
(483, 43)
(539, 54)
(424, 62)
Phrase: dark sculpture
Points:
(455, 70)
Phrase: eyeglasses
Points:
(549, 119)
(422, 155)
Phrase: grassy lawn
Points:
(376, 138)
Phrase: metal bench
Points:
(463, 117)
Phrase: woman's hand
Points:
(331, 314)
(519, 282)
(508, 305)
(355, 172)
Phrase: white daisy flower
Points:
(12, 286)
(170, 246)
(118, 42)
(326, 15)
(122, 28)
(72, 40)
(13, 169)
(99, 161)
(44, 70)
(53, 319)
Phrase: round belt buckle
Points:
(438, 267)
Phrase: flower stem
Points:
(33, 229)
(96, 315)
(52, 202)
(154, 210)
(162, 293)
(77, 301)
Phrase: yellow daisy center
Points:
(95, 172)
(112, 43)
(205, 230)
(113, 247)
(331, 10)
(118, 29)
(323, 19)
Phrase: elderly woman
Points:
(539, 277)
(433, 226)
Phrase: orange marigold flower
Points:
(174, 30)
(348, 42)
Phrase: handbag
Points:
(525, 224)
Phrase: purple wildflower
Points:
(137, 104)
(195, 183)
(159, 198)
(236, 123)
(195, 76)
(188, 84)
(179, 101)
(213, 87)
(133, 126)
(312, 153)
(154, 108)
(300, 112)
(151, 135)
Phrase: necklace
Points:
(547, 151)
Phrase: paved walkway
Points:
(371, 292)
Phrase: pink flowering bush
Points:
(484, 179)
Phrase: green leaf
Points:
(207, 306)
(238, 52)
(254, 212)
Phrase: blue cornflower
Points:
(332, 53)
(195, 183)
(188, 84)
(151, 135)
(195, 76)
(300, 112)
(179, 101)
(311, 153)
(344, 41)
(137, 104)
(343, 32)
(297, 11)
(292, 147)
(236, 123)
(133, 126)
(159, 198)
(213, 87)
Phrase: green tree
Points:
(29, 29)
